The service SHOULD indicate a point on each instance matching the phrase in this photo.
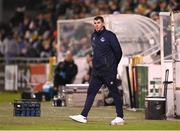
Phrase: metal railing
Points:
(22, 60)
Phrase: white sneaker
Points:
(117, 121)
(79, 118)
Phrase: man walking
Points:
(107, 54)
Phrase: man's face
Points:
(98, 25)
(69, 56)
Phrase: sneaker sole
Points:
(117, 124)
(77, 120)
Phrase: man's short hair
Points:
(99, 18)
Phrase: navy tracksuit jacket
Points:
(107, 54)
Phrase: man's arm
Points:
(75, 70)
(72, 74)
(116, 47)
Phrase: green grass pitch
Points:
(56, 118)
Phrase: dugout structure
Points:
(136, 34)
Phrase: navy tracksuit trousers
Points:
(94, 86)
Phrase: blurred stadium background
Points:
(36, 34)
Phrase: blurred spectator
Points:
(18, 17)
(113, 6)
(155, 16)
(174, 4)
(65, 71)
(46, 49)
(142, 7)
(42, 24)
(54, 47)
(32, 52)
(86, 78)
(126, 6)
(22, 46)
(11, 46)
(163, 6)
